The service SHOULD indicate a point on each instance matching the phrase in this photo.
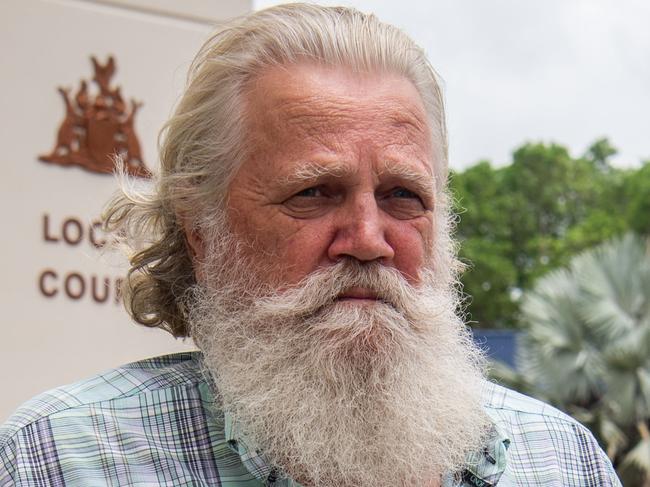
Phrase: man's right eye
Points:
(310, 202)
(312, 192)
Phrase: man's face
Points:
(340, 167)
(325, 313)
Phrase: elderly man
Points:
(299, 233)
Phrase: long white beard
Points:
(341, 394)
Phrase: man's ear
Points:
(196, 247)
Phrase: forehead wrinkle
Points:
(410, 123)
(314, 115)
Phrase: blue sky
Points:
(568, 71)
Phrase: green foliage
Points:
(600, 152)
(637, 194)
(586, 348)
(520, 221)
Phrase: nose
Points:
(361, 232)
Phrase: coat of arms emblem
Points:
(98, 129)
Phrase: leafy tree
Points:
(486, 242)
(637, 196)
(600, 152)
(520, 221)
(587, 348)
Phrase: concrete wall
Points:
(50, 335)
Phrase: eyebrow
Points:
(423, 183)
(310, 171)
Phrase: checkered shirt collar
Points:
(482, 468)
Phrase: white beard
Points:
(336, 393)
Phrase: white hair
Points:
(205, 140)
(338, 395)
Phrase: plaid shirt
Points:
(154, 422)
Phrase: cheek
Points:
(288, 251)
(260, 240)
(302, 251)
(412, 244)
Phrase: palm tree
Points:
(587, 348)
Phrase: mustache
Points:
(327, 285)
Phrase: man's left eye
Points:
(403, 203)
(404, 193)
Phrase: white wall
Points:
(48, 341)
